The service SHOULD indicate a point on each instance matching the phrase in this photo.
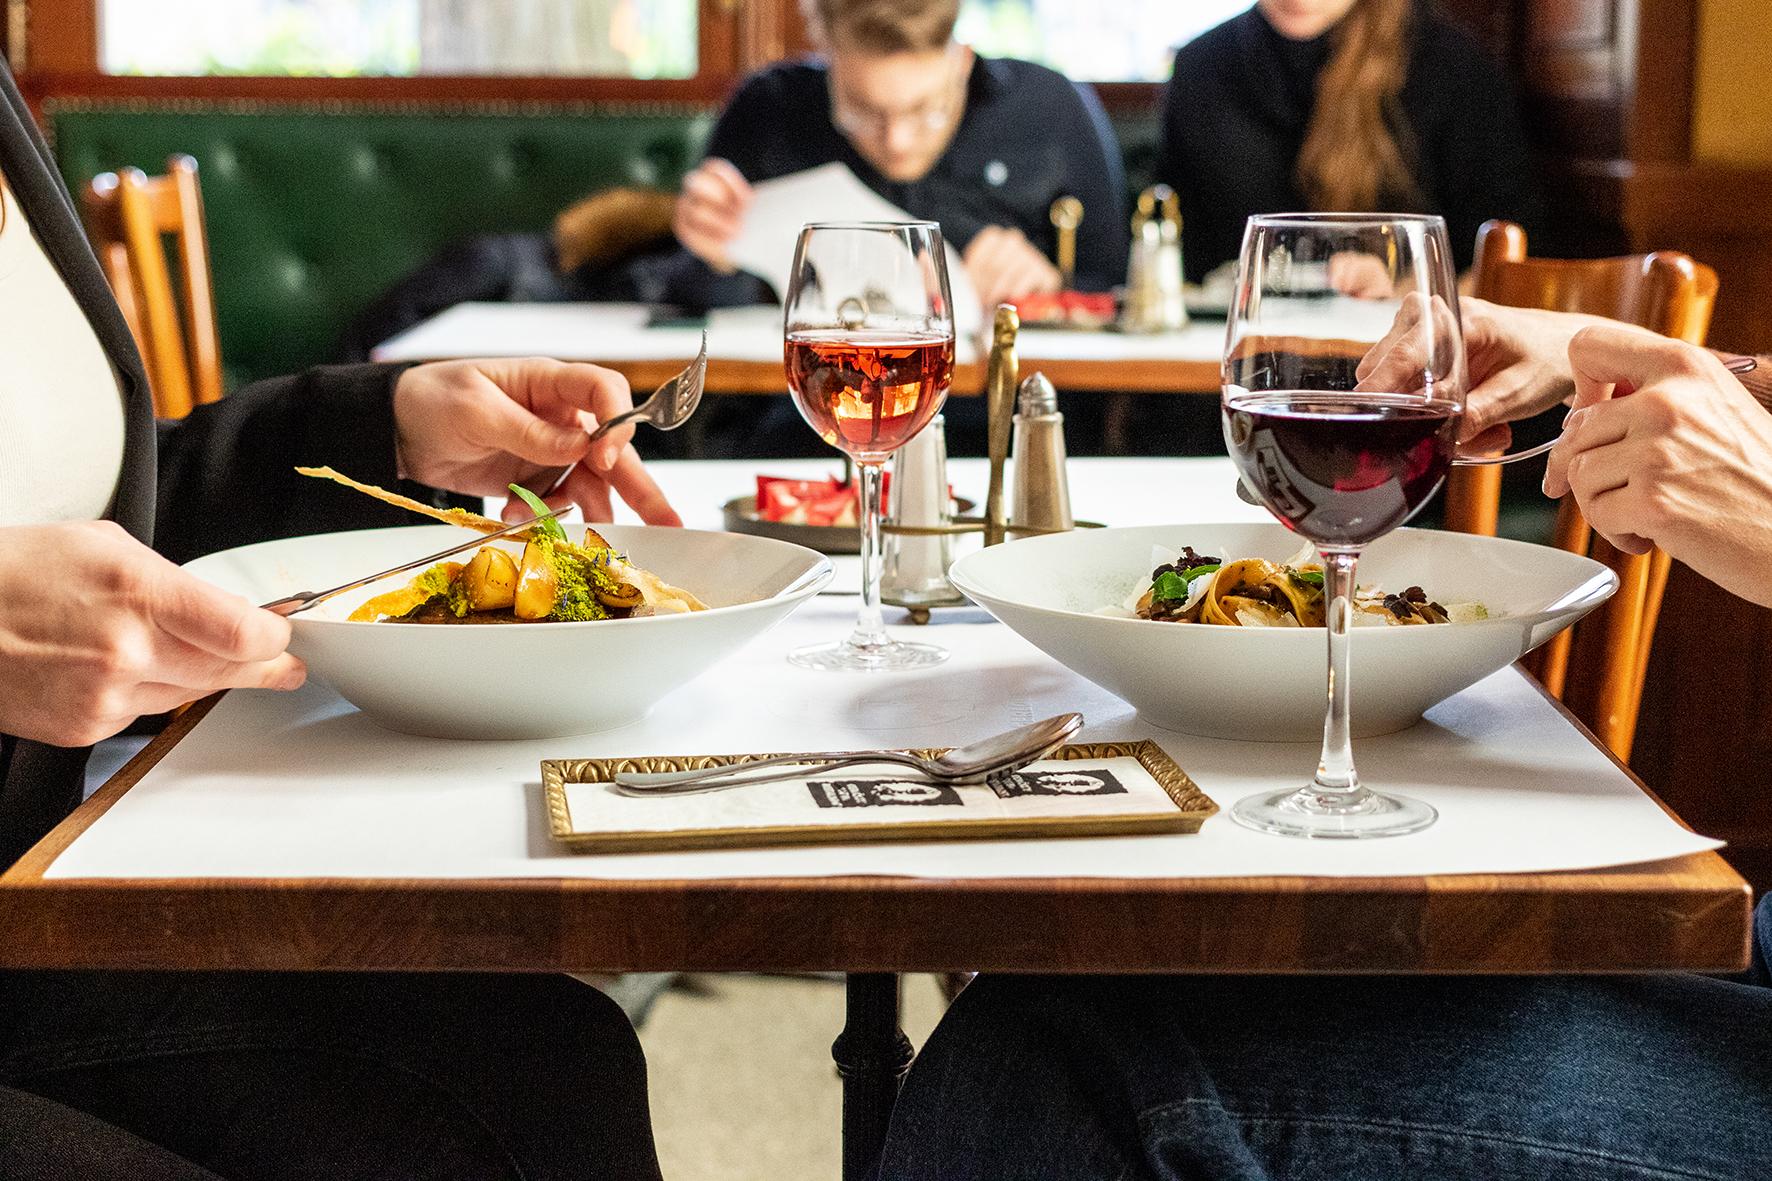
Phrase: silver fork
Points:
(668, 408)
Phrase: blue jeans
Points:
(1346, 1079)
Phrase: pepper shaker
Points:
(1041, 502)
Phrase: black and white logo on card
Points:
(1083, 781)
(878, 793)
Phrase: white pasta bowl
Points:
(1269, 683)
(540, 680)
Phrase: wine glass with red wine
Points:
(1338, 462)
(869, 351)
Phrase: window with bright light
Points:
(1127, 41)
(338, 38)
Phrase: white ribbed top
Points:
(61, 409)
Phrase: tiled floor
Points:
(742, 1084)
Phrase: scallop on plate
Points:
(508, 679)
(1072, 596)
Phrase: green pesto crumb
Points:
(575, 600)
(458, 599)
(435, 581)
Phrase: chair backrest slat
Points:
(1598, 670)
(129, 215)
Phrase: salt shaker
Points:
(915, 570)
(1041, 500)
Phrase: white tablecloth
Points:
(273, 785)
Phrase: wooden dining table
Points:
(1688, 913)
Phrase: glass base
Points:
(1309, 812)
(846, 655)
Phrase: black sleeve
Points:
(1097, 177)
(1481, 163)
(682, 278)
(227, 473)
(1168, 170)
(739, 136)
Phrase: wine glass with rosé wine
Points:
(1339, 460)
(869, 350)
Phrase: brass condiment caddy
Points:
(1002, 376)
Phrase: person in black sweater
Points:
(1345, 105)
(254, 1076)
(982, 146)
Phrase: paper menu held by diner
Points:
(830, 192)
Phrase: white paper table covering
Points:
(301, 785)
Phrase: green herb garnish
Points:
(548, 527)
(1169, 588)
(1308, 578)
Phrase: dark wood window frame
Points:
(59, 57)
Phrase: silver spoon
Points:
(1737, 365)
(668, 408)
(972, 763)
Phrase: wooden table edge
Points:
(1161, 375)
(1688, 913)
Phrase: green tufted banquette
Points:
(313, 211)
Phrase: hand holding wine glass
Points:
(1335, 458)
(869, 350)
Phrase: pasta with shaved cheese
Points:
(1254, 592)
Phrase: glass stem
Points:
(870, 631)
(1336, 776)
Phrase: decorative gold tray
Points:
(1157, 796)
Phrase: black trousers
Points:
(266, 1077)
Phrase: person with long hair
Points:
(1343, 105)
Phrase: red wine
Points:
(1341, 469)
(868, 392)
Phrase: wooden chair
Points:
(1597, 669)
(129, 215)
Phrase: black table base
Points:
(872, 1055)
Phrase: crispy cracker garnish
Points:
(449, 516)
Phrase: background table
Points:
(1686, 914)
(744, 348)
